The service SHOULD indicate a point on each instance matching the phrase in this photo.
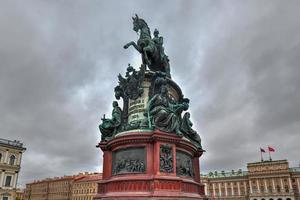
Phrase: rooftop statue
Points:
(151, 49)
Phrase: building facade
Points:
(267, 180)
(10, 165)
(85, 188)
(20, 195)
(82, 186)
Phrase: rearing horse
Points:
(150, 53)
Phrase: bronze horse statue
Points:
(152, 54)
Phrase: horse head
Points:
(136, 23)
(140, 24)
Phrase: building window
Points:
(5, 198)
(12, 160)
(7, 181)
(293, 180)
(0, 157)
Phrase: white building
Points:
(10, 164)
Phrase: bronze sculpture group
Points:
(162, 112)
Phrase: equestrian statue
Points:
(151, 49)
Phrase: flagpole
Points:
(270, 155)
(261, 157)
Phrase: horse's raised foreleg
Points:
(134, 45)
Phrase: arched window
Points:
(271, 199)
(262, 199)
(12, 160)
(288, 199)
(280, 199)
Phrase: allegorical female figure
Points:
(108, 127)
(164, 114)
(188, 131)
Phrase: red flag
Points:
(271, 149)
(262, 150)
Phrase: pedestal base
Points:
(150, 165)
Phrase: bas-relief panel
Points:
(184, 164)
(129, 160)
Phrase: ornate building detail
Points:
(184, 164)
(131, 160)
(10, 165)
(166, 159)
(262, 181)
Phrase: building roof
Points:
(78, 177)
(12, 144)
(295, 169)
(240, 173)
(89, 178)
(224, 174)
(268, 162)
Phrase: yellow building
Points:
(82, 186)
(20, 195)
(10, 165)
(267, 180)
(85, 188)
(58, 188)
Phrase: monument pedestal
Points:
(150, 165)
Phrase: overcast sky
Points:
(237, 61)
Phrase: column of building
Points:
(298, 184)
(245, 187)
(2, 178)
(290, 184)
(257, 184)
(281, 185)
(214, 189)
(6, 157)
(19, 159)
(239, 189)
(273, 184)
(220, 191)
(226, 192)
(232, 192)
(15, 178)
(266, 186)
(250, 184)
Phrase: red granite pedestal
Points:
(152, 183)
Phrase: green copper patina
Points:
(151, 99)
(164, 113)
(188, 131)
(109, 127)
(151, 49)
